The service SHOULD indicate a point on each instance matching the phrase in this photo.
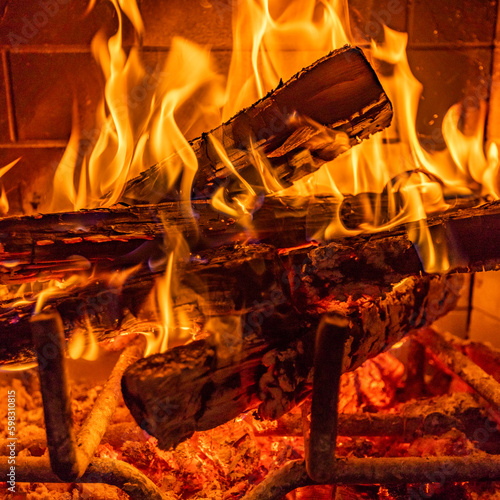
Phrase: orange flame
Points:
(4, 202)
(140, 120)
(149, 116)
(273, 40)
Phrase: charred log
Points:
(459, 364)
(190, 388)
(319, 113)
(317, 275)
(434, 416)
(483, 355)
(230, 279)
(55, 246)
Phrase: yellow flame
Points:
(158, 340)
(491, 177)
(4, 202)
(148, 116)
(144, 118)
(273, 40)
(172, 327)
(244, 202)
(18, 367)
(373, 165)
(52, 289)
(83, 343)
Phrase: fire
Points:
(148, 115)
(4, 202)
(273, 40)
(83, 344)
(144, 118)
(409, 182)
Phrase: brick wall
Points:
(47, 62)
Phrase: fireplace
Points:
(339, 220)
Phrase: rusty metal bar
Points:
(101, 470)
(48, 338)
(399, 470)
(70, 457)
(328, 359)
(485, 385)
(97, 422)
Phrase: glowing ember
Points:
(226, 462)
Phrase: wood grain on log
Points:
(173, 394)
(348, 268)
(55, 246)
(344, 269)
(312, 118)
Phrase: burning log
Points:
(223, 276)
(197, 387)
(456, 362)
(483, 355)
(312, 118)
(46, 246)
(399, 470)
(335, 271)
(101, 470)
(357, 265)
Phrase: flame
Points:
(4, 202)
(409, 181)
(158, 339)
(144, 118)
(172, 326)
(266, 35)
(52, 289)
(148, 116)
(83, 344)
(491, 175)
(242, 204)
(17, 367)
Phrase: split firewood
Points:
(55, 246)
(319, 113)
(348, 268)
(208, 382)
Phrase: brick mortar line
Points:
(486, 313)
(35, 144)
(77, 49)
(450, 45)
(9, 97)
(86, 49)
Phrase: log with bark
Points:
(210, 381)
(255, 306)
(55, 246)
(320, 112)
(309, 120)
(434, 416)
(222, 276)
